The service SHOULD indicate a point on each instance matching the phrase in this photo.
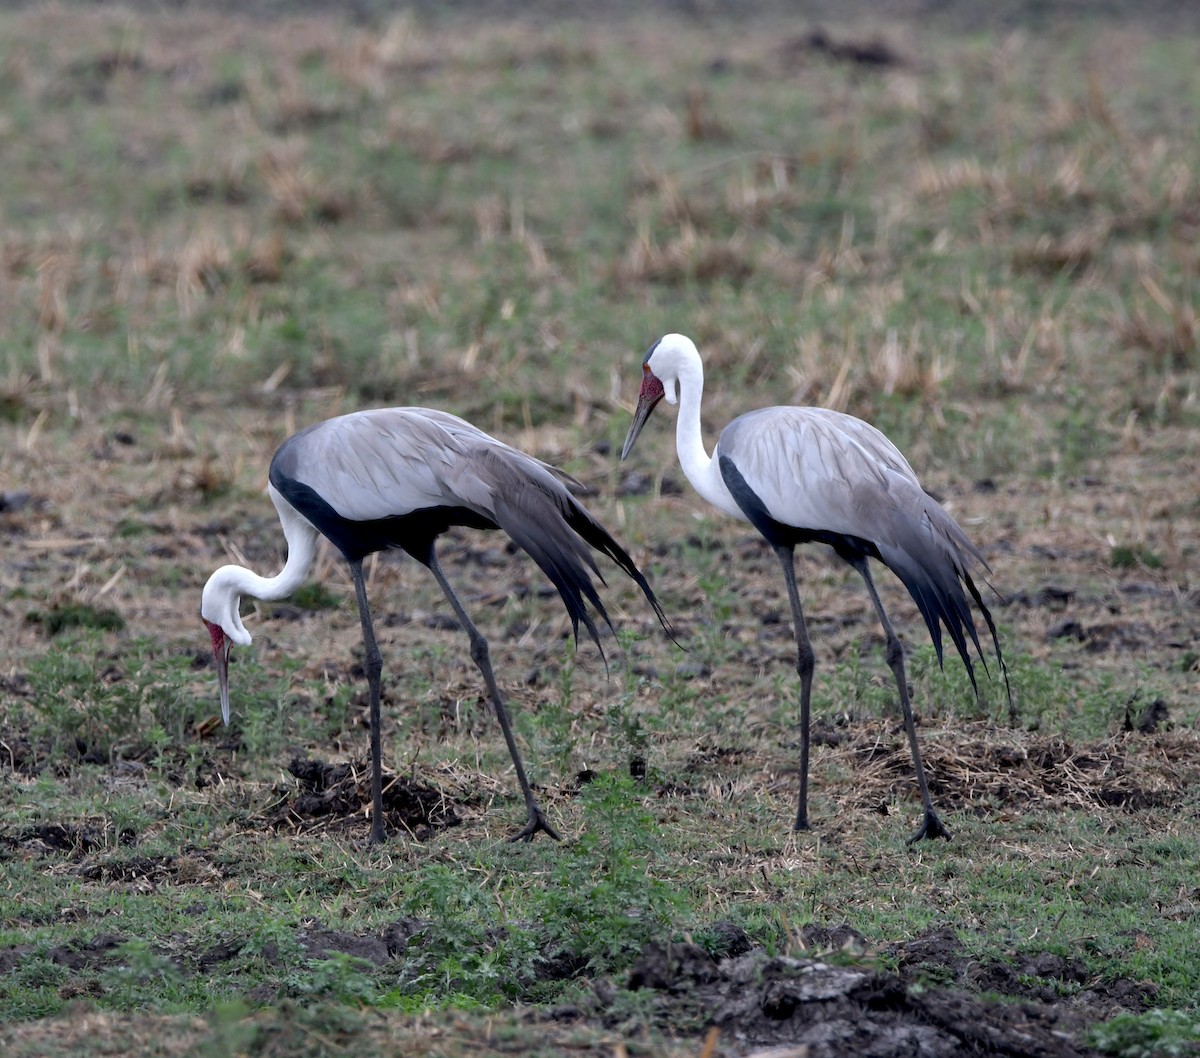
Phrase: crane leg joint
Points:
(479, 651)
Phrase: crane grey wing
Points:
(522, 496)
(368, 466)
(470, 434)
(391, 462)
(811, 468)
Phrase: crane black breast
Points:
(414, 532)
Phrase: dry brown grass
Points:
(688, 257)
(975, 767)
(107, 1033)
(1166, 328)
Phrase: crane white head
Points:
(672, 356)
(219, 609)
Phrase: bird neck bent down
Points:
(220, 602)
(699, 467)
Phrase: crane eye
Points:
(645, 369)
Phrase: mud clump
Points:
(332, 794)
(757, 1000)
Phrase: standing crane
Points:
(399, 478)
(802, 475)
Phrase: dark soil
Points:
(841, 1006)
(333, 794)
(847, 1009)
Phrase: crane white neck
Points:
(699, 467)
(222, 594)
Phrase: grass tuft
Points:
(69, 616)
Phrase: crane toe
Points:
(536, 822)
(931, 827)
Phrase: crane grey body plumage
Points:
(399, 478)
(802, 475)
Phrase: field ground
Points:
(981, 237)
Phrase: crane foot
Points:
(536, 822)
(931, 827)
(378, 834)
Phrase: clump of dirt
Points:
(340, 794)
(1044, 976)
(149, 869)
(1155, 716)
(58, 837)
(19, 752)
(836, 1007)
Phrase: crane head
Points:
(221, 644)
(219, 611)
(649, 395)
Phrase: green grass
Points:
(59, 619)
(1155, 1034)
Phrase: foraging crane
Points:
(808, 474)
(399, 478)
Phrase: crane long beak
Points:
(648, 397)
(221, 644)
(222, 657)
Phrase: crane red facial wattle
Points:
(217, 634)
(651, 391)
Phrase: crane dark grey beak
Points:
(221, 644)
(648, 397)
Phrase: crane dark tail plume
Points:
(987, 616)
(937, 589)
(935, 568)
(600, 538)
(553, 529)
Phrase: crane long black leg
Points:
(805, 663)
(931, 826)
(373, 663)
(481, 656)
